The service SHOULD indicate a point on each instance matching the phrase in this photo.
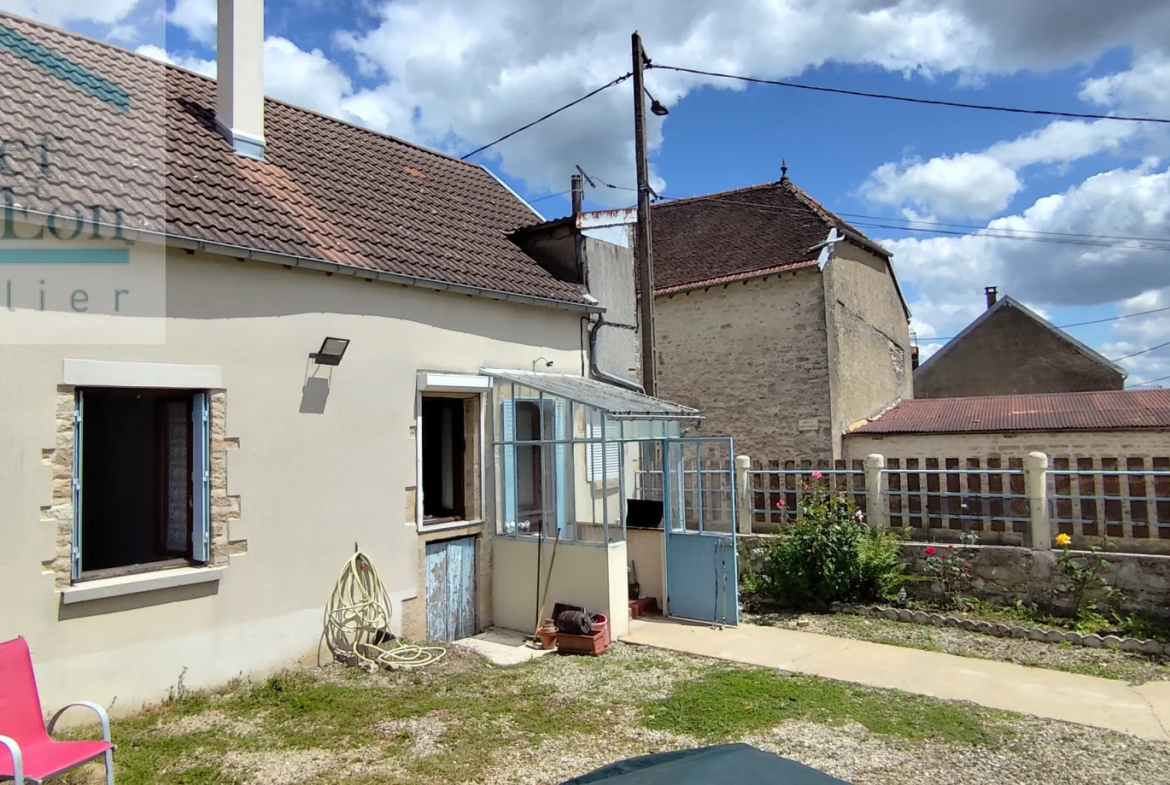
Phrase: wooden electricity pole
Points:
(643, 252)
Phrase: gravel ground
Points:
(1132, 667)
(1034, 751)
(1031, 751)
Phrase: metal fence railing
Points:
(1126, 500)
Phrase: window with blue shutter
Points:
(142, 457)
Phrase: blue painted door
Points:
(451, 589)
(701, 573)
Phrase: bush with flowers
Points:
(830, 554)
(950, 568)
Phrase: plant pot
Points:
(547, 634)
(601, 625)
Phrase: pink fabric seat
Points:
(27, 753)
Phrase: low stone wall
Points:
(1004, 573)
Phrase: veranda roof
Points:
(618, 403)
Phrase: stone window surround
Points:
(224, 508)
(474, 388)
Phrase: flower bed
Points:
(1004, 630)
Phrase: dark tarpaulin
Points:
(726, 764)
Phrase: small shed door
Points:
(451, 589)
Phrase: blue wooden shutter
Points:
(75, 554)
(562, 463)
(508, 462)
(200, 480)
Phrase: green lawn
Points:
(466, 721)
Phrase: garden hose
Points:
(357, 623)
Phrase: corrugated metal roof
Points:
(1088, 411)
(617, 402)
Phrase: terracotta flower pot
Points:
(548, 634)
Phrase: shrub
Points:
(951, 568)
(829, 554)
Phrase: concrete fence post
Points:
(876, 506)
(743, 495)
(1036, 482)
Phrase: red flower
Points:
(806, 487)
(950, 547)
(779, 504)
(929, 551)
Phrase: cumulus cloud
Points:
(980, 185)
(965, 185)
(59, 12)
(197, 17)
(948, 273)
(308, 79)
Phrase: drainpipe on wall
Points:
(578, 191)
(597, 372)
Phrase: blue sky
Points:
(454, 74)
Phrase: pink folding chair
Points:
(34, 756)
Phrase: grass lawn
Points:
(466, 721)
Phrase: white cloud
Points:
(58, 12)
(1145, 88)
(307, 79)
(190, 62)
(968, 184)
(948, 273)
(196, 17)
(980, 185)
(474, 71)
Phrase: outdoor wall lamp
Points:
(331, 351)
(547, 362)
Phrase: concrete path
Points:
(1142, 711)
(503, 647)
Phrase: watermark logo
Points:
(72, 268)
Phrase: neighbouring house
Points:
(1011, 350)
(778, 320)
(1117, 424)
(256, 338)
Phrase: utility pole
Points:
(643, 253)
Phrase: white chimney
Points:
(239, 111)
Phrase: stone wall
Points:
(1012, 353)
(869, 338)
(1003, 574)
(753, 357)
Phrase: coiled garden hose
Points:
(357, 623)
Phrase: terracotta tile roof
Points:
(327, 191)
(1089, 411)
(742, 231)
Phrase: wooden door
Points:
(451, 589)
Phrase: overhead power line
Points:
(550, 196)
(1058, 238)
(911, 100)
(554, 112)
(1151, 381)
(1075, 324)
(1143, 351)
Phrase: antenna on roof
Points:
(783, 170)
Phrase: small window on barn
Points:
(447, 467)
(141, 498)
